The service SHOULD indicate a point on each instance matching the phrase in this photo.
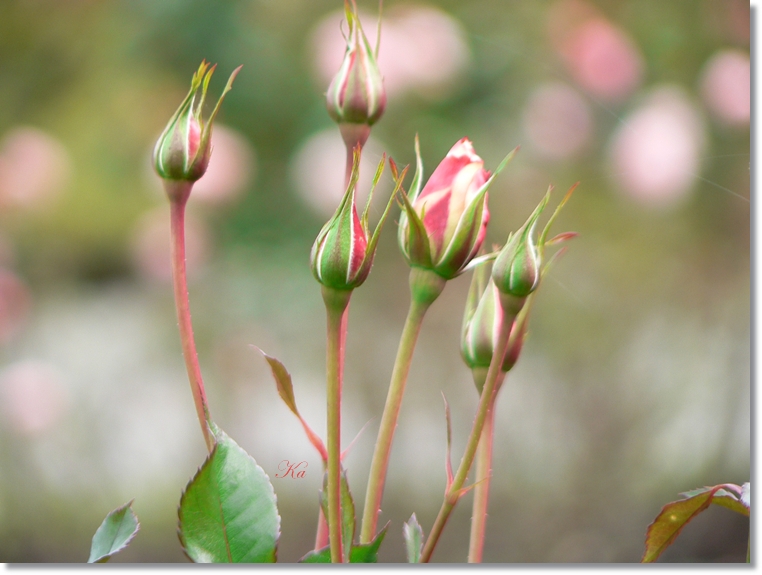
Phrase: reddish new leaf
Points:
(671, 520)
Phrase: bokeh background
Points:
(633, 385)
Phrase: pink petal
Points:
(437, 213)
(359, 246)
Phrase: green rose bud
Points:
(183, 150)
(343, 252)
(516, 271)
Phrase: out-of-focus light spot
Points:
(318, 170)
(655, 153)
(34, 168)
(601, 57)
(15, 301)
(151, 248)
(726, 86)
(231, 167)
(34, 396)
(557, 121)
(423, 49)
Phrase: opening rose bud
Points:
(183, 150)
(343, 252)
(444, 224)
(356, 94)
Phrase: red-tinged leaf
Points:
(286, 391)
(731, 503)
(671, 520)
(728, 495)
(562, 237)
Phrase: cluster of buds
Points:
(502, 296)
(183, 150)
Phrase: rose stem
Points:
(420, 301)
(453, 493)
(481, 489)
(179, 276)
(336, 305)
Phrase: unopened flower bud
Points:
(444, 224)
(516, 271)
(481, 328)
(183, 150)
(356, 95)
(343, 252)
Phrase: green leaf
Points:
(367, 553)
(413, 539)
(114, 534)
(228, 512)
(671, 520)
(347, 511)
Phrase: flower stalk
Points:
(455, 491)
(481, 488)
(181, 157)
(180, 191)
(337, 307)
(425, 287)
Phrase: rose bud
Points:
(183, 150)
(343, 252)
(356, 97)
(481, 328)
(444, 224)
(516, 271)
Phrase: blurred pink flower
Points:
(34, 168)
(34, 396)
(655, 153)
(601, 57)
(150, 244)
(317, 172)
(15, 301)
(726, 86)
(231, 168)
(557, 121)
(423, 49)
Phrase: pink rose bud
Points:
(356, 94)
(183, 149)
(343, 252)
(444, 224)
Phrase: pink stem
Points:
(177, 216)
